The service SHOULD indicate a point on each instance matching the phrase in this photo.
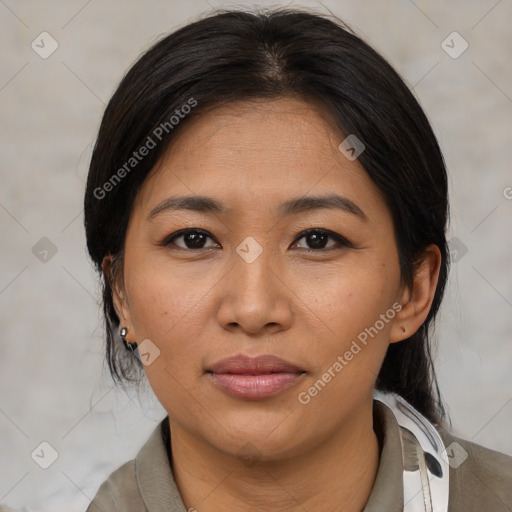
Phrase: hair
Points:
(241, 56)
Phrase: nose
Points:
(255, 297)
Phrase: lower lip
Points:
(254, 387)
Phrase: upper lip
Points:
(251, 365)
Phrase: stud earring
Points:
(129, 345)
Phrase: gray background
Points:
(53, 385)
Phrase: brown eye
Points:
(191, 239)
(317, 239)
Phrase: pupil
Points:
(316, 240)
(195, 240)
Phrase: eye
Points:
(191, 239)
(317, 239)
(196, 239)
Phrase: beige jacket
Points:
(482, 483)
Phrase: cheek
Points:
(348, 298)
(349, 312)
(352, 318)
(170, 309)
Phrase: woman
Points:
(267, 206)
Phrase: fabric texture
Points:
(482, 482)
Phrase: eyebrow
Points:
(294, 206)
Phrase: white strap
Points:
(426, 468)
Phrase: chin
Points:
(257, 437)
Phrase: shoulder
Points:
(119, 492)
(480, 478)
(144, 483)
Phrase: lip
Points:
(254, 378)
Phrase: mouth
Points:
(254, 378)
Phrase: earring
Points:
(129, 345)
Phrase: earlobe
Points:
(118, 293)
(417, 300)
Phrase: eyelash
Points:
(341, 241)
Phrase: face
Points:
(258, 270)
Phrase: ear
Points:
(119, 297)
(417, 299)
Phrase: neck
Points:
(337, 474)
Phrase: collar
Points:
(154, 475)
(388, 489)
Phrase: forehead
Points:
(259, 151)
(267, 128)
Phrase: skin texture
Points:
(303, 302)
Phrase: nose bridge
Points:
(253, 264)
